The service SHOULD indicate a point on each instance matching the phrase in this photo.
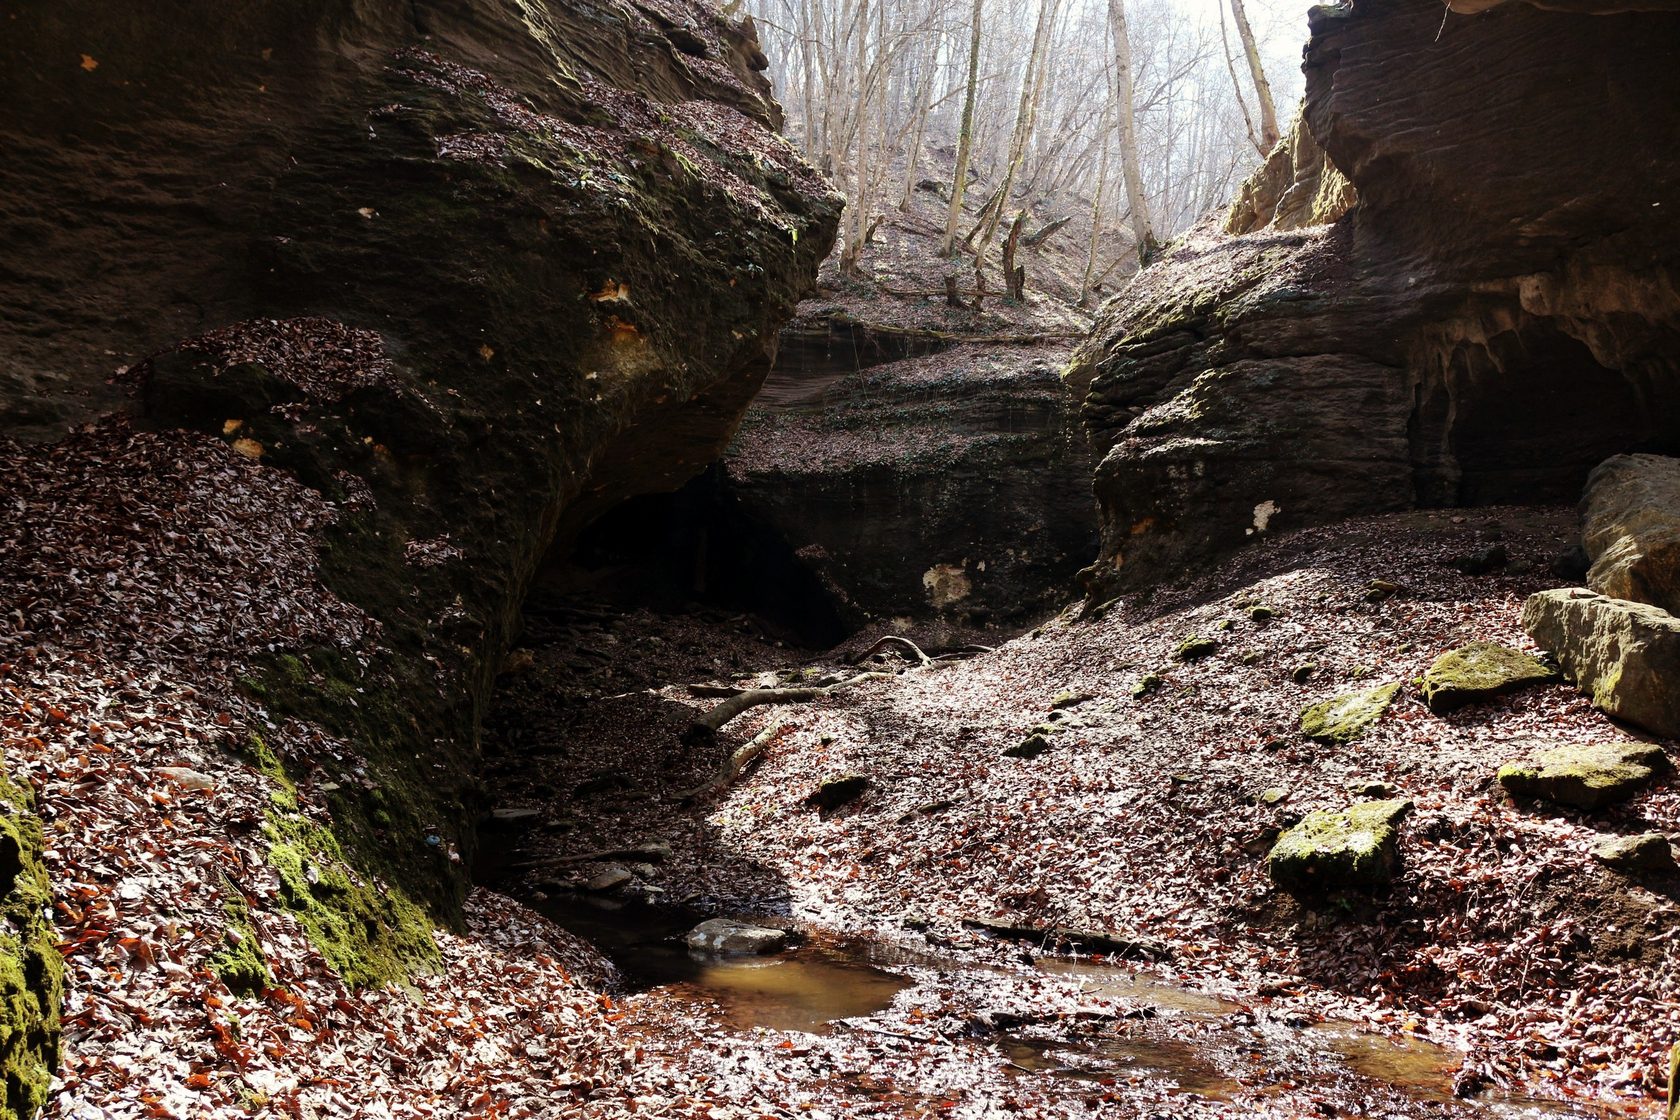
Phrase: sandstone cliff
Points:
(394, 294)
(1497, 314)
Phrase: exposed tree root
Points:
(893, 639)
(705, 727)
(742, 757)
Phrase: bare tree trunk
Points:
(1013, 277)
(1236, 86)
(1268, 111)
(1032, 89)
(1143, 229)
(1096, 217)
(965, 142)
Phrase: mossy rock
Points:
(1194, 648)
(1147, 685)
(1329, 852)
(1030, 747)
(832, 793)
(1480, 671)
(1646, 853)
(31, 968)
(1345, 718)
(1069, 699)
(1585, 776)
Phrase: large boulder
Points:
(1502, 279)
(1626, 656)
(1630, 525)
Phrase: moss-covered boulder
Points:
(1584, 776)
(1355, 849)
(1345, 718)
(1624, 655)
(31, 969)
(1030, 747)
(1195, 647)
(1480, 671)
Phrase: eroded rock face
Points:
(471, 272)
(1630, 525)
(1497, 314)
(950, 487)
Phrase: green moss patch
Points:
(1587, 776)
(1479, 671)
(240, 963)
(371, 934)
(31, 969)
(1354, 849)
(1194, 648)
(1345, 718)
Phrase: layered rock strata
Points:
(1497, 314)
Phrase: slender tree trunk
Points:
(1096, 217)
(965, 142)
(1236, 86)
(1268, 111)
(1143, 229)
(1032, 88)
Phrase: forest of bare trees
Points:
(1134, 115)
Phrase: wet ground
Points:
(1142, 819)
(1100, 1026)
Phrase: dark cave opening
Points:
(1486, 427)
(697, 547)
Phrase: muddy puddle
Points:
(807, 988)
(1199, 1046)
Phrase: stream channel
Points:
(1200, 1050)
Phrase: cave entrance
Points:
(1523, 417)
(696, 546)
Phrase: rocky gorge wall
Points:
(1497, 313)
(462, 274)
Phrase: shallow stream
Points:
(1200, 1045)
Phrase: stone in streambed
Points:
(1648, 852)
(1480, 671)
(1346, 717)
(609, 879)
(1586, 776)
(727, 936)
(1355, 849)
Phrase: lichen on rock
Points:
(1344, 718)
(1330, 851)
(1480, 671)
